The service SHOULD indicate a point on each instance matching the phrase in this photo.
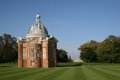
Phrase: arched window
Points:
(32, 54)
(38, 53)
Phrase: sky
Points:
(72, 22)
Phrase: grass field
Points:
(84, 72)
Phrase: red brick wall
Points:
(20, 50)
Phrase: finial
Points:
(37, 18)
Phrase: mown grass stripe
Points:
(109, 65)
(108, 76)
(66, 75)
(52, 75)
(43, 75)
(73, 73)
(17, 76)
(2, 69)
(91, 75)
(111, 69)
(14, 71)
(79, 74)
(84, 72)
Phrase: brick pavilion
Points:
(38, 49)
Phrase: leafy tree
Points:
(62, 55)
(88, 51)
(8, 48)
(107, 51)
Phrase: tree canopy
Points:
(8, 48)
(107, 51)
(62, 55)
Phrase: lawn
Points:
(84, 72)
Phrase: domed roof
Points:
(37, 29)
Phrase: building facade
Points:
(38, 49)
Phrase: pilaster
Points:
(45, 54)
(20, 55)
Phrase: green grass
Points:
(84, 72)
(68, 64)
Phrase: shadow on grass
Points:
(68, 64)
(6, 66)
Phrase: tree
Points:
(8, 48)
(88, 51)
(70, 59)
(62, 55)
(107, 51)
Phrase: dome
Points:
(37, 29)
